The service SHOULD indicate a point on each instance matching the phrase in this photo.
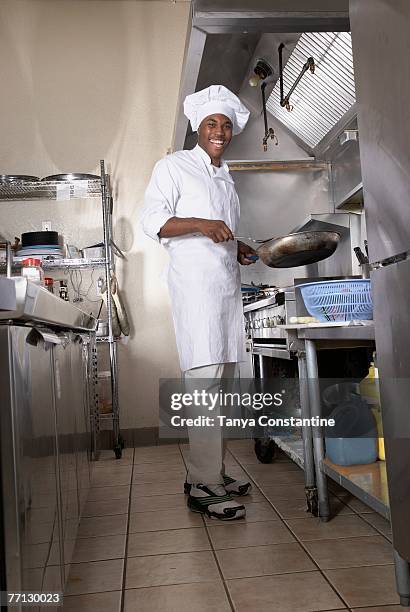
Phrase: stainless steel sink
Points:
(24, 300)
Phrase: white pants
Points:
(206, 444)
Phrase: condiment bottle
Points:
(32, 270)
(49, 284)
(63, 290)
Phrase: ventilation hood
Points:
(322, 99)
(227, 38)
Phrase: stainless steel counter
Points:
(330, 335)
(334, 332)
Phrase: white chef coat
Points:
(203, 277)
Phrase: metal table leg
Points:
(308, 460)
(318, 445)
(402, 568)
(261, 367)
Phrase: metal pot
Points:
(102, 328)
(299, 249)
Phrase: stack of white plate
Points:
(41, 251)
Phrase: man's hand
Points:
(217, 231)
(244, 252)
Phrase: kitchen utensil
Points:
(29, 239)
(17, 178)
(102, 328)
(72, 176)
(119, 305)
(298, 249)
(338, 300)
(361, 258)
(116, 329)
(93, 252)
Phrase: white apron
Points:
(203, 277)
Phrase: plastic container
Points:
(369, 389)
(351, 451)
(49, 284)
(353, 439)
(32, 270)
(338, 300)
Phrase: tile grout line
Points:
(225, 586)
(297, 539)
(124, 569)
(362, 515)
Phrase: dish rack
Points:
(338, 300)
(92, 188)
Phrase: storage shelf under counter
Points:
(367, 482)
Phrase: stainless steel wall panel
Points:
(272, 204)
(391, 288)
(381, 53)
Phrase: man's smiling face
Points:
(214, 135)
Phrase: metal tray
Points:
(17, 178)
(72, 176)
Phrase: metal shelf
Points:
(73, 264)
(292, 446)
(50, 190)
(61, 264)
(67, 190)
(276, 166)
(367, 482)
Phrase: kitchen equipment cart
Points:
(67, 190)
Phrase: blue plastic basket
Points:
(338, 300)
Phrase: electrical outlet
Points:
(46, 226)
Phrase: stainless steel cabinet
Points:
(393, 354)
(45, 452)
(28, 458)
(380, 34)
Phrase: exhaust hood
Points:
(227, 38)
(320, 100)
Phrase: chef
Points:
(192, 208)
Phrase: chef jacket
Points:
(203, 277)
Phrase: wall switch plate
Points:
(46, 226)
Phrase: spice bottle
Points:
(49, 284)
(63, 290)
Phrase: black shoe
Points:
(213, 501)
(232, 486)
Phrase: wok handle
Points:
(251, 239)
(360, 256)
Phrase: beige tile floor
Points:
(140, 549)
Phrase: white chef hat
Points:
(212, 100)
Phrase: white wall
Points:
(85, 80)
